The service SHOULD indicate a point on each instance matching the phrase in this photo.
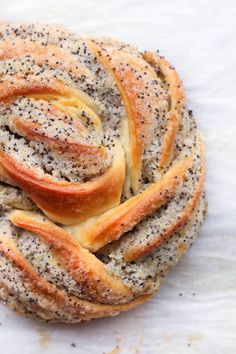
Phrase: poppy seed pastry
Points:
(102, 173)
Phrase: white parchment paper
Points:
(195, 311)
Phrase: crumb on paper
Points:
(115, 350)
(193, 340)
(118, 339)
(44, 338)
(136, 349)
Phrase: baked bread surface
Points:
(102, 173)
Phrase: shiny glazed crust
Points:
(102, 171)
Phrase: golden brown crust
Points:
(60, 201)
(53, 298)
(114, 223)
(177, 102)
(65, 147)
(125, 70)
(21, 48)
(83, 266)
(20, 87)
(133, 253)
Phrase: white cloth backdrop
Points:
(195, 311)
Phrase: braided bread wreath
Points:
(102, 173)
